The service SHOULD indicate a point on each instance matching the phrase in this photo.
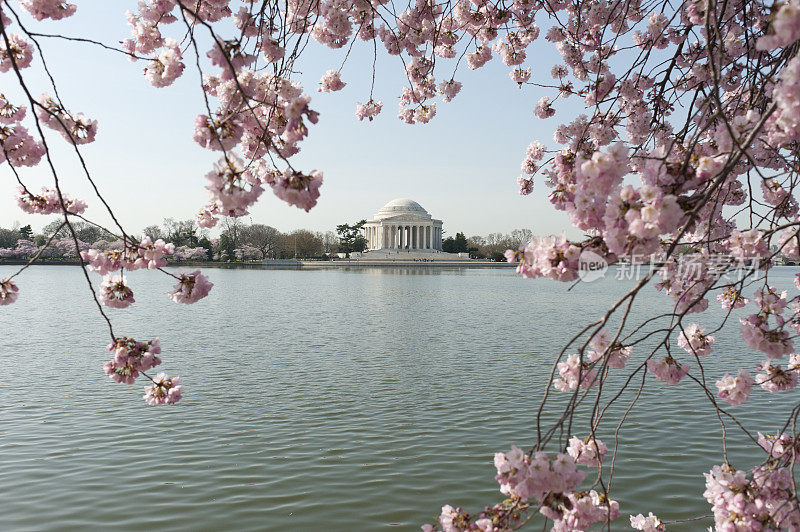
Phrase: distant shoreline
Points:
(291, 264)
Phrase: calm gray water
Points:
(320, 400)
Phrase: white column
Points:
(428, 237)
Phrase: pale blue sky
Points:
(461, 167)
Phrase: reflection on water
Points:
(335, 399)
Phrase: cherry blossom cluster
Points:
(735, 390)
(114, 292)
(191, 287)
(731, 298)
(17, 146)
(783, 446)
(144, 254)
(758, 500)
(331, 82)
(52, 9)
(774, 378)
(48, 202)
(18, 52)
(131, 358)
(8, 291)
(536, 476)
(757, 329)
(651, 523)
(297, 188)
(232, 188)
(368, 110)
(667, 369)
(503, 516)
(75, 127)
(686, 281)
(579, 510)
(694, 341)
(588, 451)
(574, 373)
(601, 347)
(165, 390)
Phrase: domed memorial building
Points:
(403, 224)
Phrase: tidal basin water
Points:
(356, 399)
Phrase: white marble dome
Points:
(402, 206)
(402, 224)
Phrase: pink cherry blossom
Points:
(166, 67)
(74, 127)
(191, 287)
(8, 291)
(20, 50)
(574, 373)
(543, 108)
(774, 379)
(114, 292)
(368, 110)
(449, 89)
(520, 75)
(757, 333)
(782, 446)
(694, 341)
(52, 9)
(122, 373)
(165, 390)
(534, 476)
(331, 82)
(751, 500)
(19, 148)
(735, 390)
(731, 298)
(651, 523)
(233, 187)
(588, 451)
(48, 202)
(784, 29)
(601, 347)
(144, 254)
(748, 244)
(9, 113)
(296, 188)
(667, 369)
(131, 358)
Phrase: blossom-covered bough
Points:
(685, 157)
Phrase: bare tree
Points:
(262, 237)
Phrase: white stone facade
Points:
(403, 224)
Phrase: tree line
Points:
(237, 242)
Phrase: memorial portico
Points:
(403, 224)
